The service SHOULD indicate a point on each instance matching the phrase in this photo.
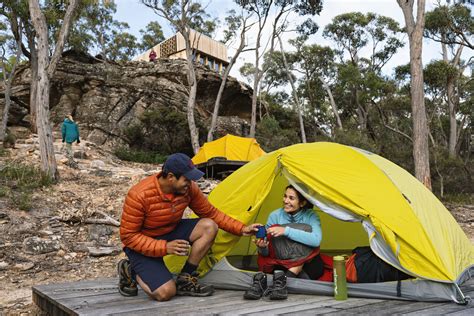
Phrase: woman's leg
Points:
(314, 268)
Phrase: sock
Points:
(303, 275)
(290, 274)
(189, 268)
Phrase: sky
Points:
(138, 16)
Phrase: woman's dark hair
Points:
(300, 197)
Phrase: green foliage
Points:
(437, 73)
(163, 130)
(151, 35)
(123, 47)
(450, 24)
(357, 139)
(455, 174)
(271, 136)
(194, 16)
(18, 181)
(139, 156)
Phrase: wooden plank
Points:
(267, 305)
(443, 309)
(371, 307)
(146, 305)
(203, 306)
(101, 297)
(398, 308)
(331, 305)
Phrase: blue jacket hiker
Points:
(70, 131)
(70, 134)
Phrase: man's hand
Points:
(250, 229)
(178, 247)
(276, 231)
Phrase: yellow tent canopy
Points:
(231, 147)
(362, 199)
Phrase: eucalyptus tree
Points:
(237, 25)
(151, 35)
(46, 69)
(16, 11)
(353, 33)
(8, 67)
(452, 27)
(318, 68)
(274, 12)
(184, 15)
(414, 26)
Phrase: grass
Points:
(18, 181)
(3, 152)
(139, 156)
(459, 198)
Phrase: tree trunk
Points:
(8, 88)
(294, 92)
(46, 69)
(192, 83)
(33, 84)
(253, 118)
(215, 114)
(333, 103)
(453, 104)
(453, 124)
(48, 160)
(420, 125)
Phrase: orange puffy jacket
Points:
(147, 214)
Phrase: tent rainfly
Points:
(362, 200)
(231, 147)
(226, 154)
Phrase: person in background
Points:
(291, 248)
(70, 134)
(152, 55)
(152, 227)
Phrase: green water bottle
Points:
(340, 284)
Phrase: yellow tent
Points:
(362, 199)
(231, 147)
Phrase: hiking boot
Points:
(187, 284)
(278, 290)
(258, 287)
(127, 285)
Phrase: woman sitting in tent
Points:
(291, 245)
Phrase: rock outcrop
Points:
(106, 98)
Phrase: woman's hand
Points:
(276, 231)
(261, 243)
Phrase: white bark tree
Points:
(46, 69)
(181, 14)
(296, 99)
(414, 29)
(7, 82)
(244, 28)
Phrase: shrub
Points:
(19, 180)
(271, 136)
(139, 156)
(3, 152)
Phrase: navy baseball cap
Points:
(181, 165)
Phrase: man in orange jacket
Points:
(152, 227)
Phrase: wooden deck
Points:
(100, 297)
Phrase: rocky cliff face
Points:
(107, 98)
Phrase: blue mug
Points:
(262, 232)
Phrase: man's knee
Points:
(165, 292)
(209, 226)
